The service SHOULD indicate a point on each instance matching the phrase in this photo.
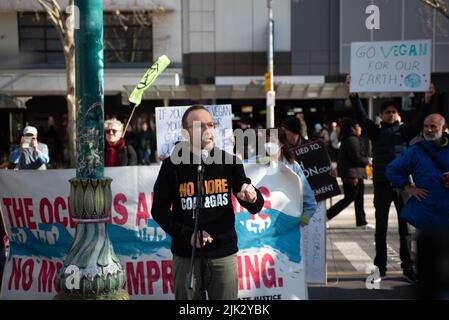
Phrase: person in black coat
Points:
(389, 139)
(352, 160)
(146, 143)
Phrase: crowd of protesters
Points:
(408, 162)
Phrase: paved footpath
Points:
(350, 255)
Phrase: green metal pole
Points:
(91, 269)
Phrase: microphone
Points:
(204, 156)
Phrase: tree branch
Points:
(47, 7)
(54, 12)
(438, 5)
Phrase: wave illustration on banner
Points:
(34, 209)
(53, 241)
(275, 230)
(134, 243)
(49, 241)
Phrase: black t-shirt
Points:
(175, 192)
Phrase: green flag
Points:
(147, 80)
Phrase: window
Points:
(127, 38)
(38, 39)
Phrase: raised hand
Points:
(348, 80)
(247, 193)
(429, 94)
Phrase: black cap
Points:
(292, 123)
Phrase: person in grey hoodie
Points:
(30, 153)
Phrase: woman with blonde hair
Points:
(117, 153)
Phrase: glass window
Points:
(37, 39)
(128, 38)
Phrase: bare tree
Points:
(439, 5)
(58, 18)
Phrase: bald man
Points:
(428, 163)
(428, 208)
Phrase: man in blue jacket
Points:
(428, 208)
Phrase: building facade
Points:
(218, 50)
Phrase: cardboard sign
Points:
(393, 66)
(168, 127)
(314, 246)
(315, 162)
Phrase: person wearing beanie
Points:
(292, 128)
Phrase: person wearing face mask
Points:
(352, 160)
(389, 139)
(278, 149)
(292, 128)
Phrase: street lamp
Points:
(270, 93)
(91, 268)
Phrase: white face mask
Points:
(272, 148)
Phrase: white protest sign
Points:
(393, 66)
(314, 246)
(168, 127)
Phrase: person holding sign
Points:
(292, 128)
(314, 159)
(278, 149)
(389, 139)
(175, 200)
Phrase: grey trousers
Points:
(221, 278)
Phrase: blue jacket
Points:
(433, 211)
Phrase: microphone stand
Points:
(198, 233)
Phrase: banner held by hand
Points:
(147, 80)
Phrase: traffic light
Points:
(267, 81)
